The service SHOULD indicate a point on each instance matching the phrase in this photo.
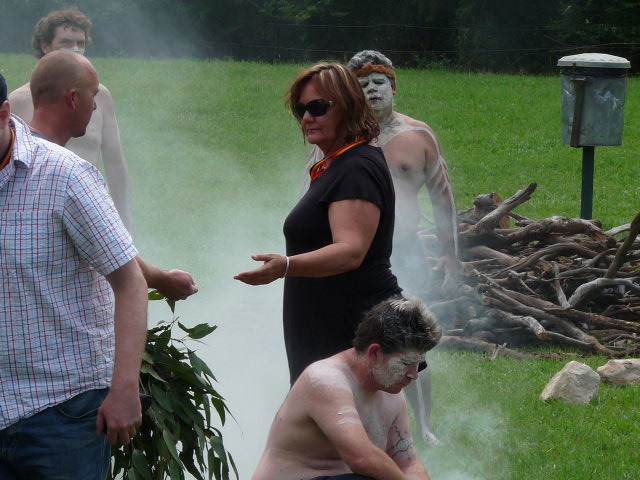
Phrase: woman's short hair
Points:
(341, 86)
(397, 325)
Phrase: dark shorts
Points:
(343, 476)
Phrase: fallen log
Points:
(586, 291)
(583, 339)
(550, 252)
(465, 343)
(621, 254)
(557, 225)
(596, 320)
(485, 226)
(483, 252)
(557, 280)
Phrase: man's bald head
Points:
(58, 72)
(63, 86)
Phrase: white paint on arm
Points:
(441, 193)
(348, 415)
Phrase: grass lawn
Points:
(217, 163)
(492, 424)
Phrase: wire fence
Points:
(517, 48)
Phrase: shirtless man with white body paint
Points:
(344, 417)
(69, 29)
(415, 159)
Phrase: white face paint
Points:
(378, 90)
(75, 50)
(398, 369)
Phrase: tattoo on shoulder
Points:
(403, 448)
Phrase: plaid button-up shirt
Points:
(60, 235)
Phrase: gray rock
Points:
(621, 372)
(575, 383)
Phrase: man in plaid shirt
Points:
(69, 354)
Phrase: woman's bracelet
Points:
(286, 267)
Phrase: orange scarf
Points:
(321, 166)
(7, 157)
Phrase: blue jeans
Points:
(59, 443)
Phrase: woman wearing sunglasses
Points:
(339, 234)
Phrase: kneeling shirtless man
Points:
(345, 415)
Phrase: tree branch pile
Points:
(555, 281)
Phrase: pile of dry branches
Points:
(552, 281)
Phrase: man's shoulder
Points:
(412, 122)
(19, 96)
(104, 98)
(21, 91)
(329, 372)
(103, 90)
(409, 129)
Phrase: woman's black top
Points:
(321, 314)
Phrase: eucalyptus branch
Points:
(177, 432)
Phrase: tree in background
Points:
(493, 35)
(506, 35)
(611, 26)
(416, 31)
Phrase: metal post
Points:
(586, 205)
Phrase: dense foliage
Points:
(494, 35)
(177, 432)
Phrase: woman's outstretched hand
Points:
(273, 268)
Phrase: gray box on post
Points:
(593, 94)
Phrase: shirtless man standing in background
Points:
(69, 29)
(415, 160)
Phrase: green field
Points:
(217, 162)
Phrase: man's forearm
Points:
(416, 471)
(446, 221)
(173, 284)
(376, 464)
(130, 323)
(120, 413)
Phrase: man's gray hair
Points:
(374, 57)
(397, 325)
(366, 62)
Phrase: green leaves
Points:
(156, 295)
(199, 331)
(178, 431)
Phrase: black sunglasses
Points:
(316, 108)
(422, 366)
